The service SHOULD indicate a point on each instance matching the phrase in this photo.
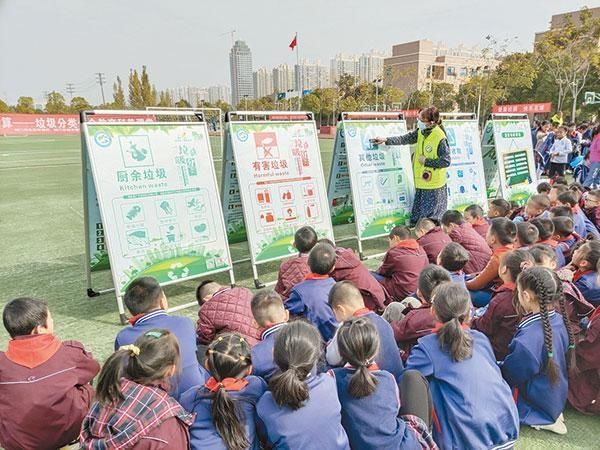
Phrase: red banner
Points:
(529, 108)
(57, 124)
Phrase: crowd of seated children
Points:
(581, 224)
(500, 238)
(454, 258)
(557, 189)
(527, 235)
(462, 232)
(401, 265)
(431, 238)
(546, 236)
(475, 216)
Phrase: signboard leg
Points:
(257, 283)
(232, 278)
(122, 315)
(360, 250)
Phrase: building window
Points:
(463, 72)
(451, 71)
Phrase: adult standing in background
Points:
(430, 161)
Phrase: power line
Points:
(101, 79)
(70, 89)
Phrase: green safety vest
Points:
(428, 177)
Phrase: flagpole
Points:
(300, 71)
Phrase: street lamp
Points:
(377, 81)
(246, 102)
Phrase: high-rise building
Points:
(343, 65)
(219, 93)
(195, 96)
(263, 82)
(370, 66)
(283, 78)
(310, 76)
(418, 64)
(240, 64)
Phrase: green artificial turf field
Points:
(42, 254)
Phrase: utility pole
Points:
(70, 89)
(101, 79)
(377, 81)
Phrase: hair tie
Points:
(526, 265)
(571, 346)
(242, 358)
(154, 334)
(550, 354)
(211, 351)
(242, 340)
(220, 338)
(133, 350)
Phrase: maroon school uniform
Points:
(291, 272)
(401, 267)
(584, 385)
(594, 215)
(349, 268)
(417, 323)
(481, 226)
(479, 251)
(576, 305)
(433, 242)
(45, 392)
(499, 323)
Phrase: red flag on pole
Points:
(294, 42)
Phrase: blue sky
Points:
(45, 44)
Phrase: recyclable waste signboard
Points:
(380, 190)
(508, 155)
(466, 178)
(273, 169)
(158, 199)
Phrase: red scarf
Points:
(408, 243)
(361, 312)
(315, 276)
(32, 350)
(229, 384)
(578, 274)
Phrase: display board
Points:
(158, 199)
(508, 154)
(273, 170)
(381, 189)
(465, 176)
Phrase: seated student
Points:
(346, 302)
(561, 181)
(557, 189)
(499, 322)
(349, 268)
(459, 362)
(271, 316)
(498, 208)
(591, 206)
(537, 206)
(148, 305)
(371, 413)
(309, 298)
(544, 188)
(581, 224)
(431, 238)
(585, 276)
(584, 383)
(527, 235)
(475, 216)
(500, 238)
(45, 388)
(536, 365)
(453, 258)
(225, 406)
(576, 306)
(225, 310)
(419, 322)
(462, 232)
(301, 409)
(293, 270)
(516, 210)
(546, 237)
(563, 233)
(133, 408)
(401, 265)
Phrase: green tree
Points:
(183, 104)
(118, 95)
(147, 91)
(136, 101)
(79, 104)
(165, 99)
(515, 74)
(312, 102)
(388, 95)
(349, 104)
(330, 98)
(55, 103)
(224, 106)
(25, 105)
(443, 96)
(4, 106)
(346, 85)
(569, 54)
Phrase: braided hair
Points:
(543, 284)
(560, 298)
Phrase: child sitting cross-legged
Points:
(375, 414)
(293, 271)
(462, 232)
(453, 258)
(475, 216)
(401, 265)
(133, 408)
(45, 383)
(431, 238)
(225, 406)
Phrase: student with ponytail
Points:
(499, 322)
(225, 406)
(473, 405)
(536, 366)
(132, 392)
(301, 410)
(370, 398)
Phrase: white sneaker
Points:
(557, 427)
